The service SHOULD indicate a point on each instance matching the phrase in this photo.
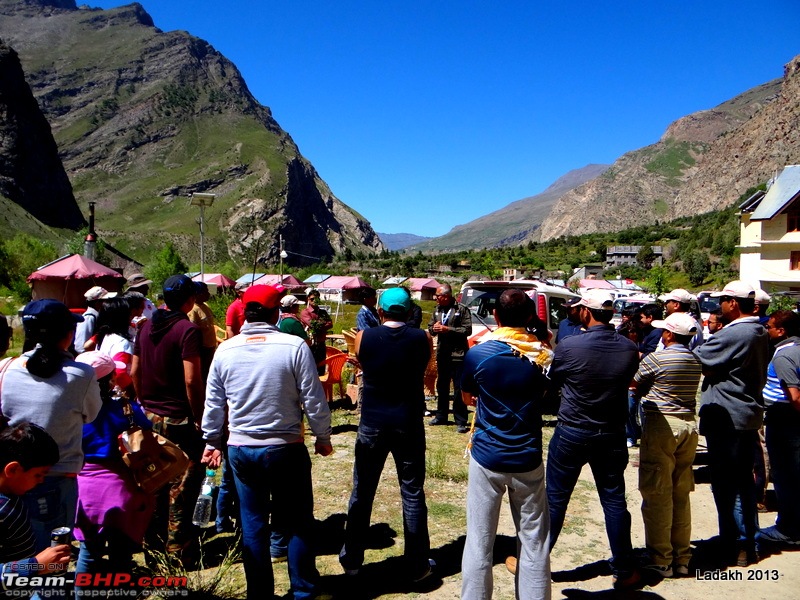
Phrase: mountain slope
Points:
(398, 241)
(703, 162)
(143, 118)
(31, 174)
(512, 223)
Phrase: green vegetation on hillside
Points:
(699, 251)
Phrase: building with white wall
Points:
(769, 234)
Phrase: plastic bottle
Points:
(202, 508)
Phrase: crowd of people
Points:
(242, 405)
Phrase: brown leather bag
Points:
(153, 460)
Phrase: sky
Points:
(426, 115)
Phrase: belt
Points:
(593, 428)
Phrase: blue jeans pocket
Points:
(46, 505)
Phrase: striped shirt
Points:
(667, 380)
(16, 535)
(782, 368)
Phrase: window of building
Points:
(794, 260)
(793, 220)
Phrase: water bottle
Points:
(202, 508)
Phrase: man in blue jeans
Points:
(593, 371)
(393, 357)
(265, 379)
(735, 365)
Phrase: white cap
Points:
(98, 293)
(289, 301)
(597, 299)
(736, 289)
(762, 297)
(678, 322)
(678, 295)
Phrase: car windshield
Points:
(481, 303)
(708, 304)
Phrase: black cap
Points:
(177, 290)
(48, 315)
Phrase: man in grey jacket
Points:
(735, 363)
(264, 380)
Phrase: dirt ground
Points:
(580, 571)
(579, 560)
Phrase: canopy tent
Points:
(589, 284)
(68, 278)
(422, 288)
(316, 279)
(290, 282)
(341, 288)
(223, 282)
(394, 281)
(249, 278)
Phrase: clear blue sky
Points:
(423, 115)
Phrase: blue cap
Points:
(395, 300)
(178, 289)
(48, 315)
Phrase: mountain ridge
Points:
(143, 117)
(512, 222)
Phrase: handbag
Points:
(154, 461)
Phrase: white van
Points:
(481, 296)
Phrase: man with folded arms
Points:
(504, 373)
(265, 380)
(666, 383)
(394, 357)
(593, 371)
(782, 396)
(735, 364)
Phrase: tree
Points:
(645, 257)
(165, 264)
(697, 267)
(657, 281)
(23, 255)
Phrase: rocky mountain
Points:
(704, 161)
(398, 241)
(143, 118)
(513, 223)
(34, 188)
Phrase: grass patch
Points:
(441, 463)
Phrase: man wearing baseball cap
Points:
(666, 383)
(94, 303)
(393, 357)
(735, 364)
(234, 315)
(571, 324)
(290, 322)
(593, 371)
(680, 301)
(264, 380)
(167, 375)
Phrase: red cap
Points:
(268, 296)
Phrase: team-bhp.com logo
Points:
(94, 584)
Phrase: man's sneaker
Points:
(627, 581)
(277, 559)
(437, 421)
(771, 535)
(660, 570)
(351, 572)
(462, 428)
(427, 573)
(680, 570)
